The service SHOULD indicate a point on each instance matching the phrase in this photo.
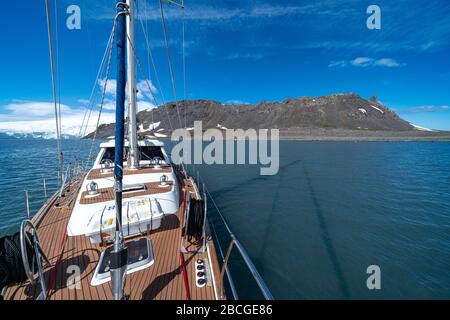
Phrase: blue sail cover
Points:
(120, 97)
(119, 254)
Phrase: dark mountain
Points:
(338, 111)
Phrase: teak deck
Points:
(107, 194)
(162, 281)
(98, 174)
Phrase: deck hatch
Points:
(140, 257)
(134, 187)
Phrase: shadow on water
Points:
(267, 232)
(245, 183)
(326, 238)
(325, 235)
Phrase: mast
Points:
(119, 255)
(132, 135)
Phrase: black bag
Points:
(11, 265)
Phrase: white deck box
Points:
(138, 217)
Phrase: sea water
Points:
(313, 230)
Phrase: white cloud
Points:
(364, 62)
(428, 109)
(236, 102)
(109, 105)
(323, 18)
(142, 86)
(370, 46)
(340, 63)
(111, 87)
(361, 62)
(24, 110)
(37, 116)
(217, 14)
(387, 62)
(253, 56)
(145, 105)
(145, 96)
(146, 90)
(84, 101)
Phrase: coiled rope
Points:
(196, 221)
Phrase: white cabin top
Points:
(147, 178)
(141, 143)
(149, 150)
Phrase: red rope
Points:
(184, 201)
(51, 281)
(186, 284)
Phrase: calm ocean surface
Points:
(334, 209)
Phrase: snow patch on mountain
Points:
(221, 127)
(378, 109)
(363, 110)
(421, 128)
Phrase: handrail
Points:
(259, 280)
(234, 243)
(225, 267)
(225, 270)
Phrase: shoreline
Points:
(364, 139)
(337, 135)
(363, 135)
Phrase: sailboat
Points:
(134, 226)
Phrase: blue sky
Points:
(245, 51)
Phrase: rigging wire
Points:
(150, 57)
(58, 72)
(100, 71)
(145, 32)
(140, 68)
(57, 117)
(169, 60)
(92, 99)
(184, 64)
(158, 82)
(92, 67)
(104, 89)
(89, 37)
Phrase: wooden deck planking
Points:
(97, 173)
(164, 280)
(50, 242)
(107, 194)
